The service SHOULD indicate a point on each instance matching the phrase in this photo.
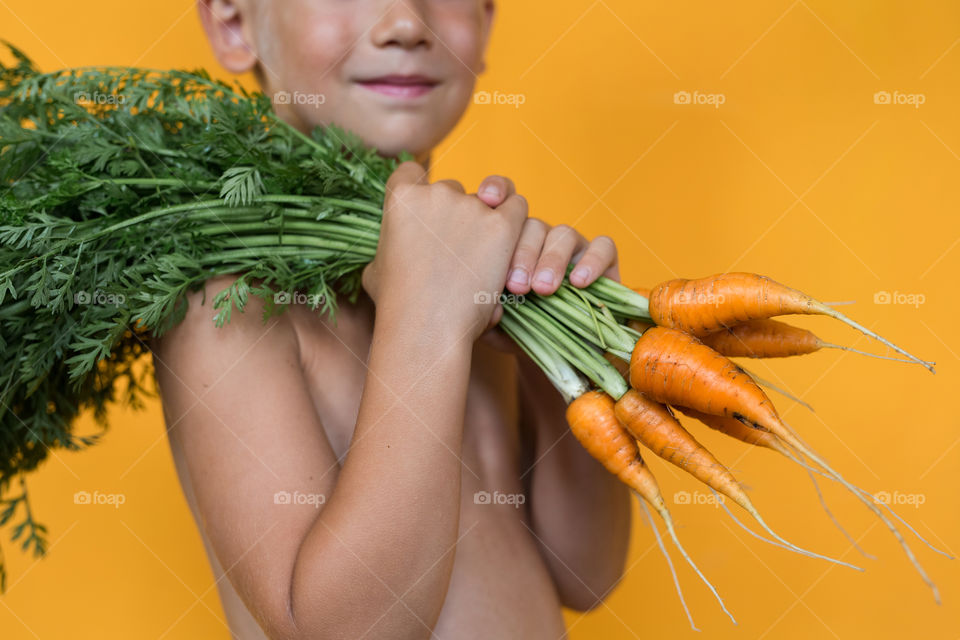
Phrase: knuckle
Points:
(451, 186)
(605, 242)
(525, 255)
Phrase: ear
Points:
(489, 10)
(230, 35)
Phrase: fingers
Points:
(452, 184)
(560, 244)
(408, 173)
(514, 208)
(494, 190)
(525, 256)
(599, 258)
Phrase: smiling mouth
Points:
(400, 86)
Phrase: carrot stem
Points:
(564, 378)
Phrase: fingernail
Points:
(581, 273)
(519, 277)
(545, 276)
(491, 190)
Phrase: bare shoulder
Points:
(198, 333)
(238, 405)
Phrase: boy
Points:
(341, 474)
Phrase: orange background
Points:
(799, 175)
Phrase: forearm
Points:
(580, 512)
(390, 527)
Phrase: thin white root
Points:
(830, 345)
(666, 555)
(816, 485)
(769, 385)
(779, 541)
(833, 518)
(867, 494)
(806, 451)
(833, 313)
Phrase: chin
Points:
(393, 137)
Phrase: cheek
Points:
(461, 39)
(311, 44)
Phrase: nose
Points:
(402, 25)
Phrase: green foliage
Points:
(123, 189)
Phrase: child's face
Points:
(399, 73)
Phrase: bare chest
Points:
(334, 358)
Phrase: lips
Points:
(400, 86)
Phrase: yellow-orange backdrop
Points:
(801, 173)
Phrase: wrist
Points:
(424, 326)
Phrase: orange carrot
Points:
(593, 421)
(732, 427)
(766, 338)
(653, 425)
(702, 306)
(675, 368)
(656, 428)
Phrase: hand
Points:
(546, 250)
(442, 252)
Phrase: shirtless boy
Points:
(397, 418)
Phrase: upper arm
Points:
(236, 400)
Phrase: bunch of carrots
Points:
(681, 362)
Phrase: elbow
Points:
(586, 596)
